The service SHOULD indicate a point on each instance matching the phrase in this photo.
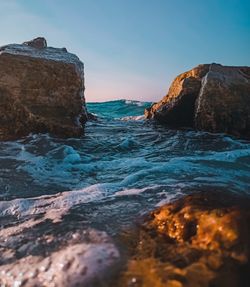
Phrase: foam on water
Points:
(117, 158)
(60, 203)
(119, 109)
(121, 169)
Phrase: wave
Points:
(137, 103)
(118, 109)
(133, 118)
(63, 190)
(116, 158)
(121, 168)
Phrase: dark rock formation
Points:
(41, 90)
(177, 107)
(213, 98)
(200, 240)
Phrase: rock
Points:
(177, 107)
(38, 43)
(92, 117)
(40, 248)
(41, 90)
(210, 97)
(200, 240)
(223, 104)
(80, 258)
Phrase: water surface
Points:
(123, 167)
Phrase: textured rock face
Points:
(41, 90)
(223, 104)
(200, 240)
(80, 258)
(210, 97)
(177, 107)
(40, 248)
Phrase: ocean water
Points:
(123, 156)
(122, 168)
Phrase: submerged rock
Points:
(41, 90)
(200, 240)
(210, 97)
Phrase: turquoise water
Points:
(123, 167)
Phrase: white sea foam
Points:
(133, 118)
(132, 191)
(69, 167)
(137, 103)
(52, 206)
(134, 163)
(115, 156)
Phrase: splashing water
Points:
(122, 167)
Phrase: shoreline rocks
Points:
(41, 90)
(42, 245)
(200, 240)
(78, 258)
(210, 97)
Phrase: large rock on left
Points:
(41, 90)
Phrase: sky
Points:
(133, 49)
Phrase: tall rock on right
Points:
(217, 100)
(223, 104)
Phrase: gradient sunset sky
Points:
(134, 48)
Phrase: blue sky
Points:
(132, 48)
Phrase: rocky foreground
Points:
(209, 97)
(200, 240)
(41, 90)
(80, 258)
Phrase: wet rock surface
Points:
(199, 240)
(79, 258)
(41, 90)
(210, 97)
(41, 245)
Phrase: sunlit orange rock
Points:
(200, 240)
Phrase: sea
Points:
(122, 168)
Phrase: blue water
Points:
(121, 168)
